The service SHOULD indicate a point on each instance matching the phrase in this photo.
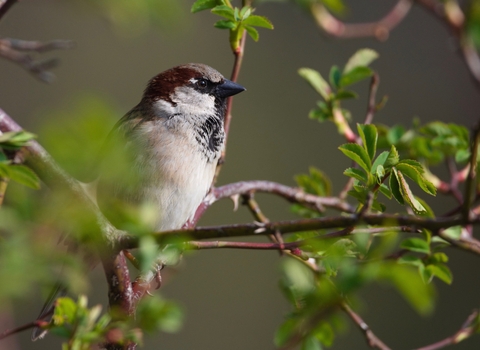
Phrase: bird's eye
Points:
(202, 83)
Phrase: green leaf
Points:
(225, 24)
(376, 205)
(386, 191)
(148, 250)
(441, 271)
(411, 286)
(317, 182)
(428, 213)
(335, 76)
(15, 139)
(310, 343)
(454, 232)
(201, 5)
(395, 134)
(369, 136)
(355, 75)
(380, 173)
(245, 12)
(336, 6)
(344, 95)
(159, 314)
(407, 193)
(380, 160)
(358, 154)
(286, 330)
(324, 333)
(395, 188)
(320, 115)
(414, 164)
(361, 58)
(392, 158)
(252, 32)
(411, 260)
(24, 176)
(258, 21)
(359, 195)
(356, 174)
(416, 245)
(316, 81)
(225, 11)
(415, 175)
(64, 312)
(299, 276)
(462, 155)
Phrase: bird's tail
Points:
(47, 311)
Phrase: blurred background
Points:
(231, 297)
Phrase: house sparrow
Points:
(164, 152)
(172, 142)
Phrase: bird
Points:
(172, 141)
(164, 152)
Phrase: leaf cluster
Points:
(237, 20)
(374, 170)
(337, 87)
(9, 143)
(85, 327)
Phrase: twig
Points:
(472, 173)
(379, 29)
(469, 327)
(453, 186)
(11, 49)
(33, 324)
(454, 19)
(372, 340)
(257, 213)
(343, 126)
(5, 6)
(291, 194)
(228, 115)
(372, 105)
(297, 244)
(290, 226)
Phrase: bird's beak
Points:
(229, 88)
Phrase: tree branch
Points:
(372, 340)
(372, 105)
(380, 29)
(290, 226)
(5, 6)
(472, 173)
(54, 176)
(11, 49)
(453, 17)
(291, 194)
(228, 116)
(469, 327)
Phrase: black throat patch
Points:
(210, 136)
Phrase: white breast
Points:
(177, 174)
